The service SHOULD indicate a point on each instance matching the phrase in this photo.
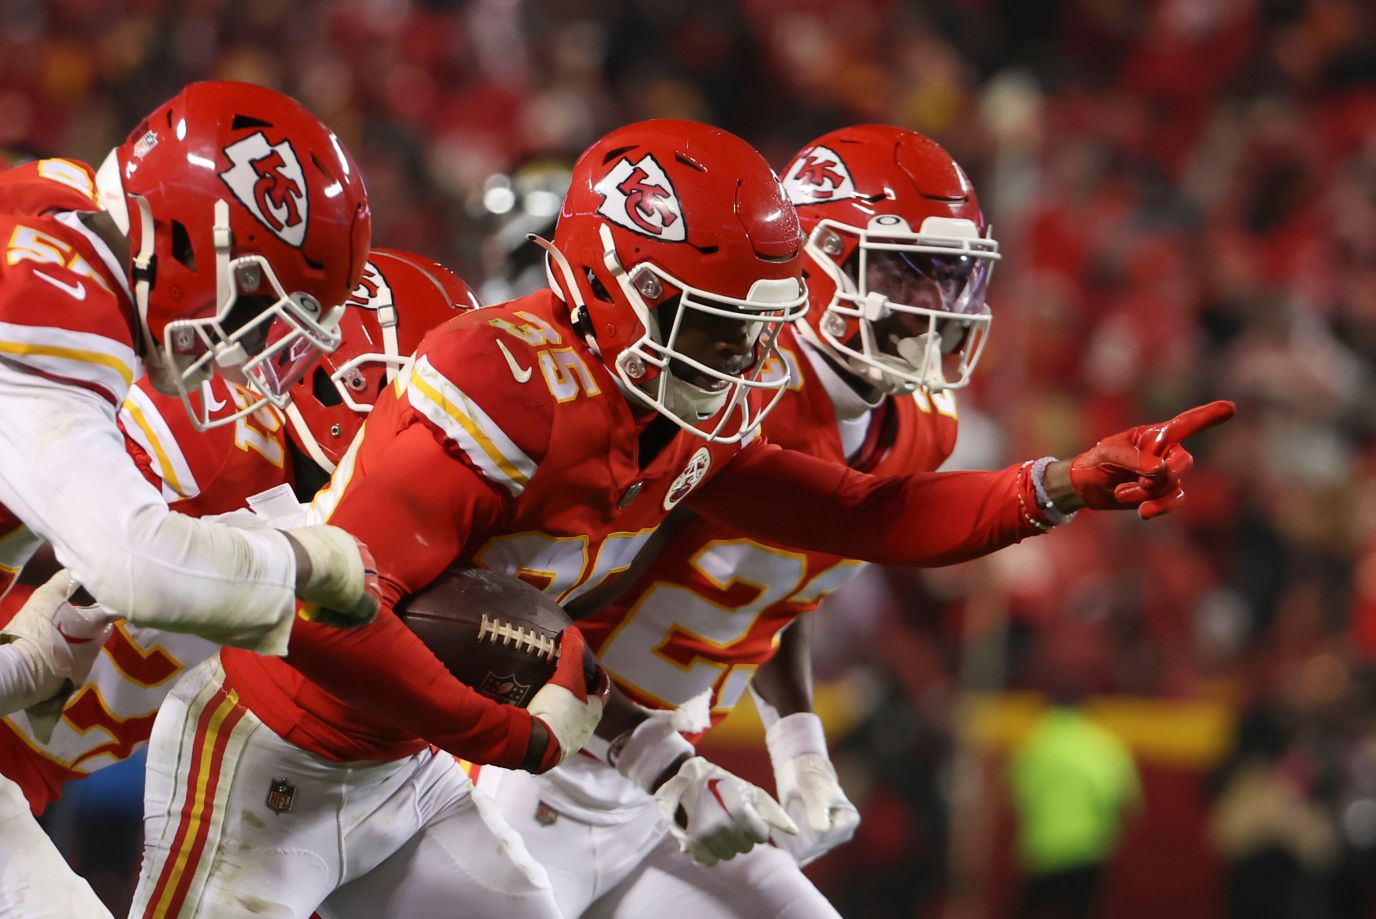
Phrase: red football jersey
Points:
(200, 473)
(65, 311)
(707, 611)
(509, 445)
(537, 426)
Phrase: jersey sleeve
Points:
(385, 671)
(155, 439)
(61, 324)
(48, 185)
(65, 473)
(919, 519)
(417, 507)
(467, 386)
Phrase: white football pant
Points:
(610, 856)
(238, 822)
(35, 880)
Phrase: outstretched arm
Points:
(793, 499)
(941, 518)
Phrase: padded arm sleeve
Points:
(929, 518)
(65, 473)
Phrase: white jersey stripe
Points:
(68, 354)
(146, 427)
(495, 454)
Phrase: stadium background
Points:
(1185, 195)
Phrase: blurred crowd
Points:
(1185, 195)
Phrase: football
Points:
(494, 632)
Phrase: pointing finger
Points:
(1187, 423)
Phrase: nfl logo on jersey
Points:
(280, 795)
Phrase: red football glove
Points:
(570, 704)
(1143, 467)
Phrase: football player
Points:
(221, 236)
(549, 437)
(897, 260)
(220, 469)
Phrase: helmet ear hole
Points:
(599, 290)
(182, 250)
(322, 387)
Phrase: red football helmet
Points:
(249, 225)
(402, 297)
(668, 222)
(899, 256)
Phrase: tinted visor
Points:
(941, 283)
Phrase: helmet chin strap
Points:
(306, 440)
(692, 403)
(681, 400)
(387, 318)
(116, 202)
(555, 259)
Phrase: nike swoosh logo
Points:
(77, 290)
(712, 787)
(520, 373)
(212, 404)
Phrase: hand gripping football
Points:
(493, 632)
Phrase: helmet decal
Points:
(145, 144)
(640, 197)
(372, 292)
(817, 176)
(267, 179)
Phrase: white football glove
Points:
(567, 705)
(807, 785)
(715, 815)
(59, 643)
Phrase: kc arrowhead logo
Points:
(267, 179)
(640, 197)
(818, 175)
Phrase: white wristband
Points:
(1053, 514)
(793, 736)
(653, 747)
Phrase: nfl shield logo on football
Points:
(506, 689)
(280, 795)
